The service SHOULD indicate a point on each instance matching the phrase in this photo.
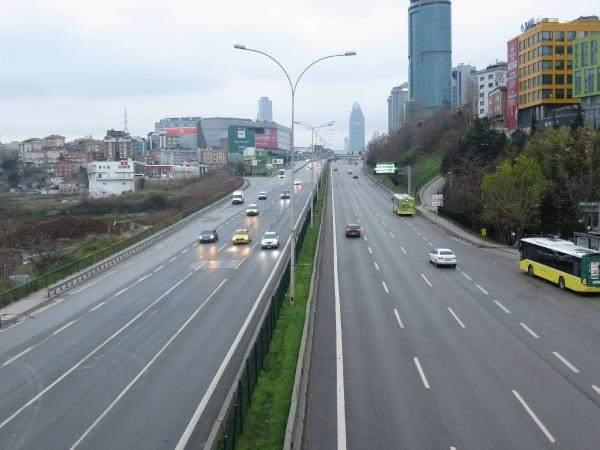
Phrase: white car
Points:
(252, 210)
(270, 240)
(297, 183)
(262, 195)
(442, 257)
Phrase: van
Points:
(237, 197)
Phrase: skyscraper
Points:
(430, 53)
(398, 97)
(356, 130)
(265, 110)
(464, 86)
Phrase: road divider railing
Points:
(229, 423)
(96, 263)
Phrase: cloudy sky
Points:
(72, 66)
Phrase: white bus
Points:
(281, 173)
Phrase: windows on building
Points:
(559, 93)
(559, 50)
(545, 79)
(547, 65)
(546, 93)
(589, 81)
(585, 56)
(559, 79)
(571, 35)
(545, 50)
(559, 64)
(559, 35)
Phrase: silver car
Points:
(442, 257)
(270, 240)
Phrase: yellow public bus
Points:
(403, 205)
(561, 262)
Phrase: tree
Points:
(511, 197)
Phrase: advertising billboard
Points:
(512, 84)
(179, 131)
(240, 138)
(266, 138)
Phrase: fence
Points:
(226, 431)
(169, 226)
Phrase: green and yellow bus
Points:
(561, 262)
(403, 205)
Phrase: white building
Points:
(464, 86)
(489, 79)
(396, 101)
(265, 110)
(107, 178)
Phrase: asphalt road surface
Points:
(410, 356)
(125, 360)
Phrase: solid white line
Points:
(426, 280)
(392, 235)
(240, 263)
(158, 268)
(126, 265)
(534, 417)
(385, 287)
(89, 355)
(502, 307)
(566, 362)
(529, 330)
(596, 388)
(456, 317)
(339, 353)
(27, 350)
(376, 265)
(185, 251)
(146, 367)
(370, 251)
(398, 318)
(64, 327)
(420, 369)
(222, 246)
(403, 251)
(365, 238)
(93, 282)
(466, 276)
(430, 244)
(99, 305)
(482, 289)
(173, 259)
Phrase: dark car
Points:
(353, 230)
(355, 177)
(208, 236)
(285, 194)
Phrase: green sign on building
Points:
(240, 138)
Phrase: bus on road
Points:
(403, 205)
(281, 173)
(561, 262)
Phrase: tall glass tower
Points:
(430, 54)
(356, 130)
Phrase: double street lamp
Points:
(293, 87)
(314, 132)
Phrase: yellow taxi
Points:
(241, 236)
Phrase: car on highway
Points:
(270, 240)
(252, 210)
(442, 257)
(297, 183)
(353, 230)
(208, 236)
(241, 236)
(285, 194)
(262, 195)
(355, 177)
(349, 172)
(335, 169)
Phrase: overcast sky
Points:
(72, 66)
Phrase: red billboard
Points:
(180, 131)
(265, 138)
(512, 84)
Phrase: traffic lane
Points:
(547, 398)
(571, 323)
(383, 399)
(320, 421)
(51, 367)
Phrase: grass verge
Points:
(265, 421)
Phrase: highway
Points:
(410, 356)
(127, 359)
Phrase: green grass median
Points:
(266, 420)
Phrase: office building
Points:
(265, 110)
(117, 145)
(497, 108)
(396, 101)
(488, 79)
(586, 76)
(430, 54)
(356, 130)
(464, 87)
(544, 65)
(176, 122)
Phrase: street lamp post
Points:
(293, 87)
(314, 130)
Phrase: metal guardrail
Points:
(148, 237)
(229, 423)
